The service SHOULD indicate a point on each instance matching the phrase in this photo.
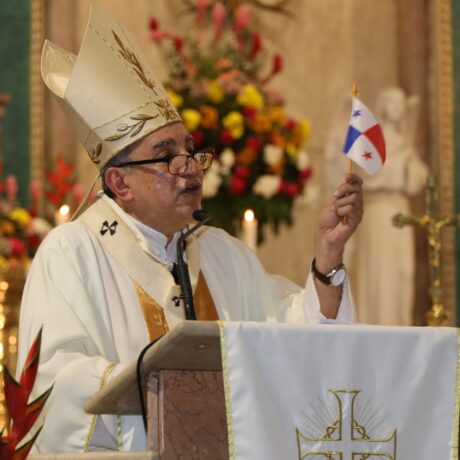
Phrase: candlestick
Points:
(249, 229)
(62, 215)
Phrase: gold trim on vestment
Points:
(36, 94)
(154, 315)
(92, 424)
(227, 392)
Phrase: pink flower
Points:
(201, 6)
(158, 35)
(289, 189)
(17, 246)
(237, 185)
(242, 18)
(218, 17)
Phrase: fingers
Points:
(348, 198)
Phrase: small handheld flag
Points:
(364, 144)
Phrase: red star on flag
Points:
(367, 155)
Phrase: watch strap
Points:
(325, 278)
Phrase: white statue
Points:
(385, 257)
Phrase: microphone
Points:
(182, 268)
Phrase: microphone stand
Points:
(182, 266)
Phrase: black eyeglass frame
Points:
(192, 154)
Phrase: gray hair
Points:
(118, 159)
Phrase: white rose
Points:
(303, 160)
(227, 160)
(267, 185)
(39, 226)
(272, 154)
(211, 181)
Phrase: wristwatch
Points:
(334, 278)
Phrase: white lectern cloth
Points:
(306, 392)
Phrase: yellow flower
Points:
(304, 127)
(277, 114)
(291, 149)
(234, 122)
(250, 96)
(21, 216)
(215, 93)
(175, 98)
(192, 119)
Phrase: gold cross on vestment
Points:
(432, 222)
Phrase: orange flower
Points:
(246, 157)
(277, 168)
(260, 123)
(277, 139)
(277, 114)
(210, 116)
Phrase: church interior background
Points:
(325, 46)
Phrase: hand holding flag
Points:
(364, 144)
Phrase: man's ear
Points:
(115, 180)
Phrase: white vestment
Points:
(92, 319)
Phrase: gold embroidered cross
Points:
(345, 439)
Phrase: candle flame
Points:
(64, 210)
(249, 215)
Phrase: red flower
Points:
(178, 43)
(237, 185)
(198, 138)
(249, 112)
(254, 143)
(305, 173)
(289, 189)
(291, 124)
(256, 45)
(226, 137)
(153, 24)
(277, 64)
(242, 172)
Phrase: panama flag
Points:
(364, 144)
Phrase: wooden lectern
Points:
(182, 375)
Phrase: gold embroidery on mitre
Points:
(136, 64)
(133, 130)
(95, 153)
(167, 110)
(153, 314)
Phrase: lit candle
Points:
(249, 229)
(62, 215)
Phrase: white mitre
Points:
(109, 91)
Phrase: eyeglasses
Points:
(178, 164)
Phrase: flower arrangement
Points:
(218, 81)
(22, 230)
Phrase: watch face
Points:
(338, 277)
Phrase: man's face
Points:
(159, 199)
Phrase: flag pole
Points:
(354, 92)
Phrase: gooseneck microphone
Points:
(182, 268)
